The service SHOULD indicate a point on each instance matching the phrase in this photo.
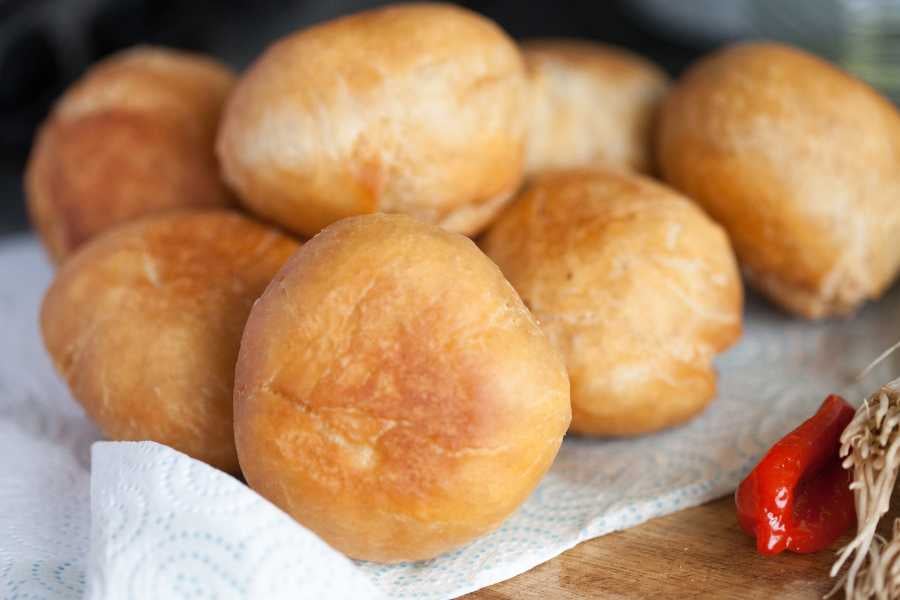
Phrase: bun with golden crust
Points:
(416, 109)
(633, 283)
(134, 136)
(393, 394)
(800, 162)
(144, 323)
(590, 103)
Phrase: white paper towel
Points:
(167, 526)
(141, 521)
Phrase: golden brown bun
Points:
(144, 323)
(800, 162)
(633, 283)
(393, 394)
(134, 136)
(416, 109)
(591, 102)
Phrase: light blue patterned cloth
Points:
(145, 522)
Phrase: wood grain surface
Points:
(697, 553)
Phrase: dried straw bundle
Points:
(870, 446)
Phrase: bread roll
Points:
(393, 394)
(415, 109)
(632, 283)
(800, 162)
(144, 323)
(134, 136)
(590, 103)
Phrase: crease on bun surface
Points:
(416, 109)
(392, 392)
(800, 162)
(590, 103)
(133, 136)
(635, 286)
(144, 324)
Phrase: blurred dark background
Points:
(46, 44)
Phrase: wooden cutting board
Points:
(697, 553)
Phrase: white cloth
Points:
(141, 521)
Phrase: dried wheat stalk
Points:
(870, 446)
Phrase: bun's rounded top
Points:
(392, 392)
(134, 136)
(180, 84)
(416, 109)
(635, 286)
(144, 323)
(590, 103)
(800, 162)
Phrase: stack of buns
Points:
(394, 387)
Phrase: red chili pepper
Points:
(798, 497)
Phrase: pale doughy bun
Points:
(144, 323)
(393, 394)
(800, 162)
(134, 136)
(590, 103)
(416, 109)
(632, 283)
